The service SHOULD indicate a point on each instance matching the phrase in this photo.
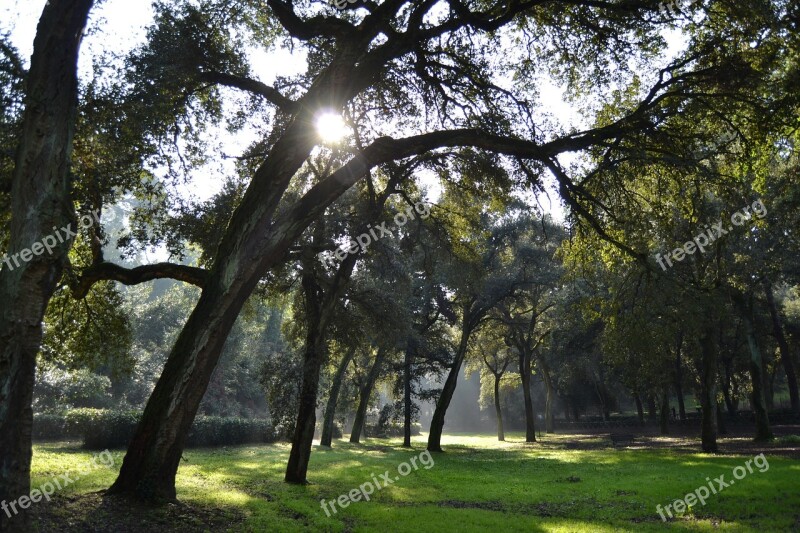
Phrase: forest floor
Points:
(563, 483)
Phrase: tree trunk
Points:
(783, 346)
(501, 436)
(437, 422)
(730, 405)
(708, 390)
(530, 416)
(366, 392)
(40, 201)
(333, 398)
(652, 410)
(550, 390)
(664, 419)
(639, 407)
(303, 438)
(408, 406)
(679, 380)
(763, 431)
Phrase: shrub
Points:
(104, 428)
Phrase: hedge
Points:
(103, 428)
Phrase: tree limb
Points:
(256, 87)
(135, 276)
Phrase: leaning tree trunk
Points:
(333, 399)
(437, 422)
(40, 201)
(313, 358)
(501, 436)
(763, 431)
(783, 346)
(530, 416)
(408, 405)
(366, 392)
(708, 391)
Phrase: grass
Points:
(478, 484)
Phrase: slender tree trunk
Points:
(501, 436)
(679, 380)
(639, 407)
(303, 438)
(40, 201)
(333, 398)
(652, 410)
(730, 405)
(783, 346)
(550, 390)
(437, 422)
(708, 391)
(664, 420)
(530, 415)
(763, 431)
(366, 392)
(408, 405)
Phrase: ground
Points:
(566, 483)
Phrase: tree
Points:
(40, 201)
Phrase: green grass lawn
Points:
(478, 484)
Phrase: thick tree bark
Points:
(437, 422)
(530, 415)
(708, 390)
(366, 393)
(40, 207)
(407, 400)
(333, 399)
(783, 346)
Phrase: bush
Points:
(49, 426)
(104, 428)
(223, 431)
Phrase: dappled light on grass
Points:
(477, 484)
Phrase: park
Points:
(399, 265)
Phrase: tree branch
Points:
(135, 276)
(256, 87)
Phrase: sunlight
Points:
(331, 127)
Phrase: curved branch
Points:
(135, 276)
(256, 87)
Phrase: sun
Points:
(331, 127)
